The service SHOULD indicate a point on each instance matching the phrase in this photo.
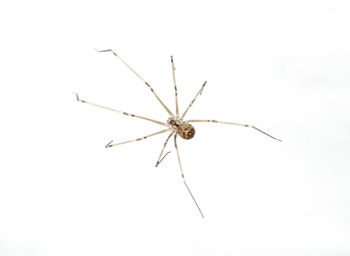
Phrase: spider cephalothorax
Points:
(176, 124)
(185, 130)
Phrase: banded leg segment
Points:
(118, 111)
(143, 80)
(195, 97)
(175, 87)
(109, 145)
(238, 124)
(161, 153)
(183, 176)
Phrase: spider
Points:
(176, 125)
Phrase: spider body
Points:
(185, 130)
(176, 124)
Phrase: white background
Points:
(280, 65)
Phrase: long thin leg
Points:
(199, 92)
(125, 113)
(138, 139)
(183, 176)
(143, 80)
(161, 153)
(245, 125)
(177, 105)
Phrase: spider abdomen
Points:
(186, 131)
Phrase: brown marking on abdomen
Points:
(186, 131)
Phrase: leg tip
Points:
(107, 50)
(109, 144)
(77, 96)
(102, 50)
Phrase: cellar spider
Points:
(175, 124)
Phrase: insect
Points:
(176, 124)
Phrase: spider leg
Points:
(138, 139)
(238, 124)
(177, 105)
(143, 80)
(161, 153)
(195, 97)
(183, 176)
(118, 111)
